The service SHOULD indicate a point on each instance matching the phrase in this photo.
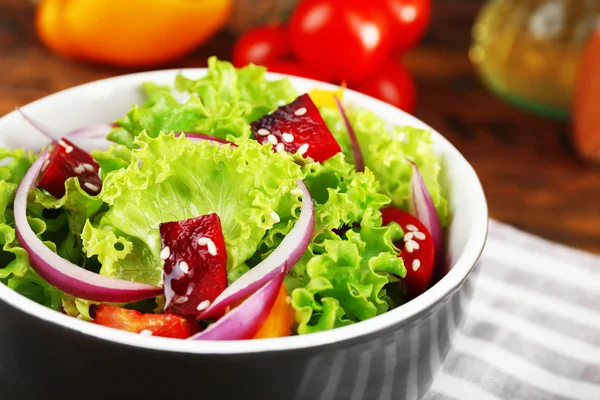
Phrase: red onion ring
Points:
(285, 256)
(421, 206)
(359, 162)
(202, 136)
(245, 320)
(61, 273)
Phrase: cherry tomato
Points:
(417, 250)
(291, 68)
(261, 46)
(165, 325)
(409, 20)
(340, 40)
(392, 83)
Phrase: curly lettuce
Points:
(222, 103)
(172, 178)
(386, 150)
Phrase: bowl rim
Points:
(449, 283)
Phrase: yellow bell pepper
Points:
(130, 33)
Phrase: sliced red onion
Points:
(245, 320)
(202, 136)
(421, 206)
(90, 137)
(359, 162)
(94, 131)
(285, 256)
(61, 273)
(41, 128)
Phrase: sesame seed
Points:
(263, 132)
(212, 248)
(416, 264)
(287, 137)
(79, 169)
(91, 186)
(181, 299)
(296, 192)
(146, 332)
(88, 167)
(165, 253)
(68, 149)
(203, 305)
(408, 236)
(419, 235)
(272, 139)
(300, 111)
(409, 247)
(411, 227)
(190, 289)
(280, 147)
(275, 216)
(99, 171)
(413, 244)
(184, 267)
(303, 149)
(63, 143)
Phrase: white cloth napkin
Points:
(532, 331)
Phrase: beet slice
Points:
(297, 127)
(195, 263)
(67, 161)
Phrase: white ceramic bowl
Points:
(284, 366)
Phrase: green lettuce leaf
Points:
(347, 276)
(173, 179)
(386, 151)
(222, 104)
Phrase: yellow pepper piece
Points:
(325, 98)
(130, 33)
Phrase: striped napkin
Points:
(533, 328)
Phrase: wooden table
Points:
(529, 171)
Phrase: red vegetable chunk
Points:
(195, 263)
(297, 127)
(165, 325)
(67, 161)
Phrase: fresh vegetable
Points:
(281, 260)
(102, 30)
(586, 119)
(421, 206)
(409, 20)
(356, 151)
(311, 225)
(195, 263)
(261, 46)
(244, 321)
(61, 273)
(416, 249)
(392, 83)
(340, 40)
(297, 128)
(165, 325)
(280, 319)
(69, 161)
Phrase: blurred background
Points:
(511, 83)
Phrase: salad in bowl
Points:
(227, 207)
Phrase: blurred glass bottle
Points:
(528, 51)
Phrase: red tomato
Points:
(416, 250)
(166, 325)
(261, 46)
(409, 20)
(291, 68)
(340, 40)
(392, 83)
